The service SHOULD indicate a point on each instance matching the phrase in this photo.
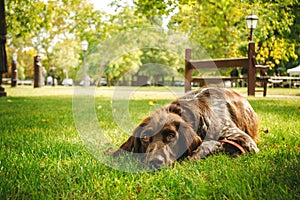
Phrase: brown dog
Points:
(201, 123)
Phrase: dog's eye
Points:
(170, 137)
(146, 139)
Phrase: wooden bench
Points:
(246, 62)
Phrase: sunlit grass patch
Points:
(43, 157)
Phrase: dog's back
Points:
(210, 108)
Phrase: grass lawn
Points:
(42, 155)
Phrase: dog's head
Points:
(162, 138)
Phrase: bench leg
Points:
(265, 85)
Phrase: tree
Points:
(275, 48)
(46, 25)
(219, 26)
(148, 30)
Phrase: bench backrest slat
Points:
(218, 63)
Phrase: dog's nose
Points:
(156, 162)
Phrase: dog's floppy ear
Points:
(175, 108)
(129, 146)
(188, 139)
(133, 144)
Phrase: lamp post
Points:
(14, 70)
(251, 24)
(84, 46)
(38, 72)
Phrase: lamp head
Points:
(14, 57)
(251, 21)
(84, 45)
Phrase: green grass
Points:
(43, 157)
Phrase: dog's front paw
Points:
(251, 147)
(207, 148)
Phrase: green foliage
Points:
(51, 29)
(275, 48)
(220, 28)
(155, 8)
(66, 57)
(160, 63)
(216, 25)
(216, 28)
(126, 63)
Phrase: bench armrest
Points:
(262, 67)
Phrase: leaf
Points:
(46, 120)
(152, 102)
